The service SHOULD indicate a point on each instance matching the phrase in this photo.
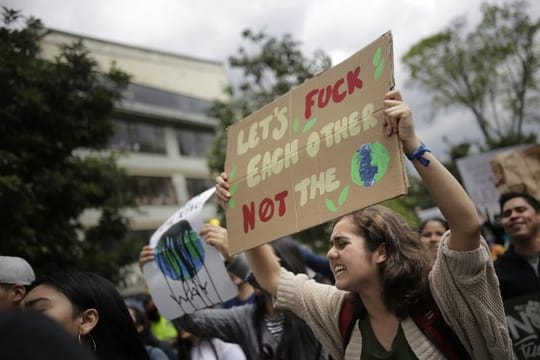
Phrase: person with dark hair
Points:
(157, 350)
(238, 269)
(378, 260)
(30, 335)
(431, 231)
(518, 267)
(262, 331)
(16, 275)
(318, 263)
(90, 308)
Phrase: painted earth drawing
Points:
(179, 252)
(369, 163)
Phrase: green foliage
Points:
(491, 70)
(49, 110)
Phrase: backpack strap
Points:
(431, 322)
(347, 319)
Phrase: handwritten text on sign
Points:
(302, 159)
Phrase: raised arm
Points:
(263, 262)
(217, 237)
(447, 193)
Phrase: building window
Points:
(156, 97)
(138, 137)
(194, 142)
(153, 190)
(197, 186)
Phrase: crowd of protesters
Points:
(292, 303)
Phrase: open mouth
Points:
(516, 226)
(339, 269)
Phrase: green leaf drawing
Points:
(379, 70)
(343, 195)
(234, 187)
(309, 125)
(377, 57)
(330, 205)
(232, 173)
(295, 124)
(231, 203)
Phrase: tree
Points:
(50, 110)
(492, 71)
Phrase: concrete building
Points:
(162, 130)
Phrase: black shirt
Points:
(516, 275)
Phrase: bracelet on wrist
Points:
(418, 154)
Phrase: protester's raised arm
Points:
(145, 256)
(217, 237)
(222, 189)
(447, 193)
(262, 260)
(265, 266)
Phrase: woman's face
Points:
(353, 265)
(431, 235)
(51, 302)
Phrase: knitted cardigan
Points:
(463, 284)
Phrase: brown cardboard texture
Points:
(315, 153)
(517, 171)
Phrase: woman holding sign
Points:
(263, 332)
(386, 301)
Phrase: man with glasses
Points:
(15, 275)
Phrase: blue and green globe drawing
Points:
(369, 163)
(179, 252)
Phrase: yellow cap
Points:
(214, 221)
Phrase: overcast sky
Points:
(211, 29)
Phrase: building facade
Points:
(162, 128)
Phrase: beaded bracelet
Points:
(418, 154)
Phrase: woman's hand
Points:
(216, 236)
(145, 256)
(222, 189)
(398, 120)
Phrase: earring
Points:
(93, 342)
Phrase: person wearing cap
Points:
(15, 275)
(239, 271)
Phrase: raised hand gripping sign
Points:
(315, 153)
(187, 274)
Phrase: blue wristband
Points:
(418, 154)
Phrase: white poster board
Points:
(478, 180)
(187, 274)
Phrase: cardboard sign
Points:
(523, 319)
(186, 274)
(517, 171)
(315, 153)
(478, 179)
